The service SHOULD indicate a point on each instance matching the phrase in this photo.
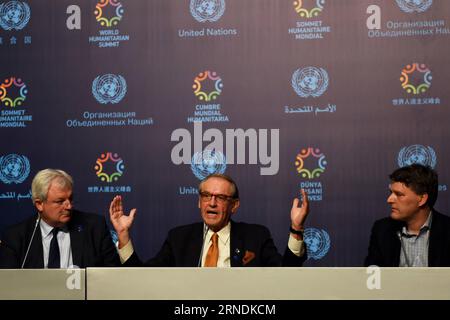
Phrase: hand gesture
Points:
(299, 214)
(121, 222)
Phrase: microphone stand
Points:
(205, 228)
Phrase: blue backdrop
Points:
(330, 96)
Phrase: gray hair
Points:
(43, 179)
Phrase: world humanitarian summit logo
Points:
(6, 88)
(208, 162)
(207, 10)
(315, 167)
(417, 154)
(14, 168)
(299, 6)
(416, 78)
(109, 88)
(14, 15)
(310, 81)
(116, 9)
(109, 167)
(317, 243)
(201, 82)
(410, 6)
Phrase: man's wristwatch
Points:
(298, 232)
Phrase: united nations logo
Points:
(199, 86)
(14, 168)
(416, 78)
(9, 85)
(305, 13)
(417, 154)
(317, 243)
(100, 13)
(410, 6)
(310, 81)
(109, 88)
(208, 162)
(319, 166)
(207, 10)
(14, 15)
(109, 167)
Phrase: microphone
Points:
(205, 228)
(31, 240)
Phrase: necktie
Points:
(213, 252)
(53, 257)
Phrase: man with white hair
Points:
(58, 236)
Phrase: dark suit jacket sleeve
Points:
(14, 243)
(166, 255)
(291, 260)
(9, 251)
(108, 252)
(91, 242)
(374, 255)
(164, 258)
(271, 257)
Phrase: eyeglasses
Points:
(222, 198)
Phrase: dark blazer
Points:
(90, 241)
(385, 246)
(251, 245)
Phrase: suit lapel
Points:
(77, 232)
(436, 235)
(194, 247)
(395, 251)
(394, 245)
(236, 245)
(35, 257)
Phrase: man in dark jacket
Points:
(57, 236)
(415, 235)
(217, 241)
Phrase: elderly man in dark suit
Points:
(217, 241)
(415, 234)
(57, 236)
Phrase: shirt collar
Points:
(224, 234)
(46, 229)
(425, 227)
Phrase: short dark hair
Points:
(234, 188)
(420, 179)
